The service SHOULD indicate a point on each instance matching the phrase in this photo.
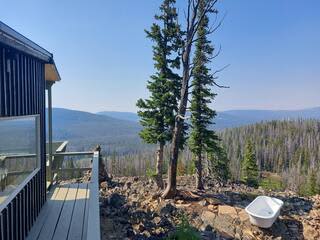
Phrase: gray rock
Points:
(115, 200)
(225, 228)
(168, 209)
(157, 220)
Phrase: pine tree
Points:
(202, 138)
(192, 24)
(312, 183)
(249, 168)
(157, 113)
(219, 164)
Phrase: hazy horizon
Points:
(244, 109)
(271, 46)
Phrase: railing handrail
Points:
(62, 147)
(19, 156)
(66, 154)
(93, 231)
(62, 154)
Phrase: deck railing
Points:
(93, 221)
(58, 168)
(93, 217)
(94, 212)
(59, 159)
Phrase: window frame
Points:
(20, 187)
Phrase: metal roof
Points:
(12, 38)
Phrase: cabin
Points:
(33, 203)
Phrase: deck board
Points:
(86, 213)
(53, 217)
(76, 226)
(63, 216)
(36, 229)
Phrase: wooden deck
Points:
(64, 215)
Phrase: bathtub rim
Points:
(263, 217)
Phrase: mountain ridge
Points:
(84, 130)
(235, 118)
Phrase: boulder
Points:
(309, 232)
(243, 216)
(104, 185)
(167, 209)
(135, 179)
(227, 210)
(157, 220)
(203, 203)
(224, 226)
(115, 200)
(247, 234)
(208, 217)
(212, 207)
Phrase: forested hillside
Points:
(118, 131)
(289, 148)
(85, 130)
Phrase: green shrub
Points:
(184, 231)
(151, 173)
(191, 168)
(309, 187)
(271, 183)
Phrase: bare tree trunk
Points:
(198, 163)
(192, 25)
(171, 188)
(159, 167)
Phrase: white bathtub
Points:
(264, 211)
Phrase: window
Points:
(19, 152)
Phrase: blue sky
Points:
(273, 48)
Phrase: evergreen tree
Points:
(157, 113)
(202, 138)
(192, 24)
(312, 183)
(249, 168)
(219, 164)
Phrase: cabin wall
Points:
(22, 92)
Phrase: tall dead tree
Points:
(192, 26)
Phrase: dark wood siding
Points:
(22, 92)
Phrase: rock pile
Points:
(131, 208)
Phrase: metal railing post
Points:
(50, 154)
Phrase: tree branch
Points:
(215, 77)
(213, 28)
(182, 117)
(221, 69)
(216, 55)
(208, 8)
(220, 86)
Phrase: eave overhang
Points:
(12, 38)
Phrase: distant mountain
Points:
(118, 131)
(236, 118)
(130, 116)
(85, 130)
